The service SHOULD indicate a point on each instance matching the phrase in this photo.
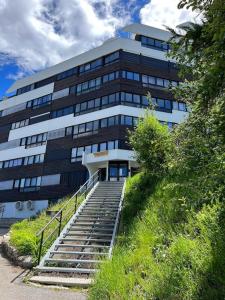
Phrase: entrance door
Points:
(118, 170)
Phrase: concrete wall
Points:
(10, 210)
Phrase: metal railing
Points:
(64, 214)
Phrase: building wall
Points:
(57, 151)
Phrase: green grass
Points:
(23, 234)
(166, 249)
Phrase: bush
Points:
(151, 142)
(23, 234)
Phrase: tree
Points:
(151, 142)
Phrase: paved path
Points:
(12, 287)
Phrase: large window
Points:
(24, 89)
(151, 80)
(28, 160)
(41, 101)
(154, 43)
(111, 58)
(162, 104)
(34, 141)
(62, 112)
(76, 153)
(96, 64)
(88, 86)
(131, 75)
(66, 74)
(110, 76)
(28, 184)
(179, 106)
(20, 124)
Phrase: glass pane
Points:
(128, 120)
(103, 123)
(130, 75)
(105, 100)
(102, 146)
(111, 121)
(83, 106)
(97, 102)
(110, 145)
(136, 76)
(89, 126)
(81, 128)
(113, 172)
(94, 148)
(136, 98)
(151, 80)
(159, 81)
(128, 97)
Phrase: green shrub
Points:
(23, 234)
(151, 142)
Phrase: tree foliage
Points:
(151, 142)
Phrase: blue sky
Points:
(42, 33)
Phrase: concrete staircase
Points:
(86, 240)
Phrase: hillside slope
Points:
(166, 248)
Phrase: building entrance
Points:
(117, 171)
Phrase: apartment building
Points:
(68, 121)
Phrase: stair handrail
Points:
(117, 220)
(83, 190)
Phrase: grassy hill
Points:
(166, 249)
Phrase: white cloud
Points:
(40, 33)
(161, 13)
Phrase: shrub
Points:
(151, 142)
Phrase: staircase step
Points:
(83, 219)
(78, 223)
(78, 253)
(62, 281)
(82, 246)
(91, 229)
(70, 261)
(87, 239)
(65, 270)
(87, 234)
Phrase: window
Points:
(129, 120)
(1, 113)
(62, 112)
(162, 104)
(24, 89)
(88, 86)
(110, 76)
(96, 64)
(34, 159)
(76, 153)
(34, 141)
(130, 75)
(111, 58)
(11, 163)
(154, 43)
(151, 80)
(130, 99)
(103, 146)
(41, 101)
(28, 184)
(66, 74)
(179, 106)
(20, 124)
